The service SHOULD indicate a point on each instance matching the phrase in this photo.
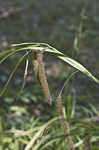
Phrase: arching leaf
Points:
(50, 49)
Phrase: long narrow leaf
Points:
(12, 73)
(16, 49)
(60, 55)
(2, 53)
(37, 135)
(4, 58)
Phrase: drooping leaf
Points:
(50, 49)
(12, 73)
(38, 134)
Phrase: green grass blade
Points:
(78, 66)
(49, 143)
(4, 58)
(2, 53)
(12, 73)
(42, 141)
(50, 49)
(37, 135)
(16, 48)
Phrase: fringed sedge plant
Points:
(37, 50)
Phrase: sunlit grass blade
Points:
(78, 143)
(60, 55)
(87, 125)
(78, 66)
(12, 73)
(37, 135)
(16, 48)
(49, 143)
(4, 58)
(2, 53)
(42, 141)
(57, 140)
(94, 109)
(26, 44)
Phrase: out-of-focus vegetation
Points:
(72, 27)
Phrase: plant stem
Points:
(64, 123)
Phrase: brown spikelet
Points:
(86, 143)
(64, 123)
(40, 73)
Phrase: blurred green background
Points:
(71, 26)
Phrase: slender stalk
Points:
(61, 114)
(25, 77)
(64, 123)
(86, 143)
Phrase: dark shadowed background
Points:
(71, 26)
(60, 24)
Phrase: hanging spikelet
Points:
(86, 142)
(40, 73)
(64, 123)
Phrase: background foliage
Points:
(71, 27)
